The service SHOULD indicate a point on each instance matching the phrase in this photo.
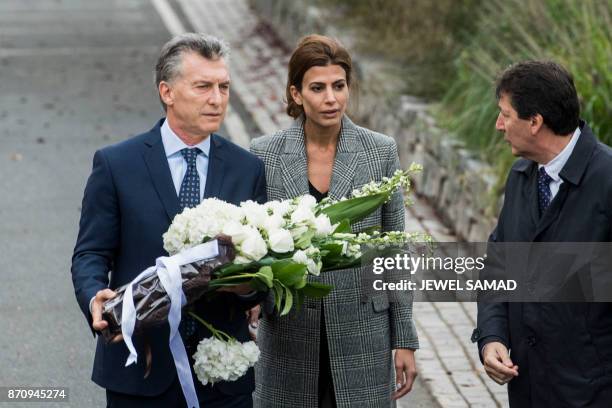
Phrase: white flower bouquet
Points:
(272, 246)
(280, 242)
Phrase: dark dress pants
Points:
(327, 398)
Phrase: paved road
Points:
(76, 75)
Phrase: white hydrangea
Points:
(217, 360)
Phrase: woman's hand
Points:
(405, 372)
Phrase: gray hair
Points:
(168, 65)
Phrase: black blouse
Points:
(316, 193)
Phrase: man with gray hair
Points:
(134, 191)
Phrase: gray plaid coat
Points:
(361, 333)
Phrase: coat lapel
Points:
(157, 164)
(216, 168)
(553, 210)
(347, 155)
(533, 199)
(571, 174)
(293, 162)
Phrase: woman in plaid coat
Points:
(336, 351)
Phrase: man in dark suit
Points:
(550, 354)
(135, 189)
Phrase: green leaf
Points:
(305, 240)
(316, 290)
(268, 260)
(233, 269)
(258, 285)
(277, 289)
(331, 249)
(266, 275)
(333, 256)
(340, 264)
(288, 272)
(344, 226)
(288, 301)
(302, 282)
(355, 209)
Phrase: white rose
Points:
(273, 222)
(302, 214)
(281, 241)
(300, 257)
(254, 247)
(307, 201)
(298, 231)
(237, 231)
(314, 268)
(280, 208)
(241, 260)
(323, 226)
(255, 213)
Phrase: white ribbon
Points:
(169, 273)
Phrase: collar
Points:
(348, 140)
(554, 167)
(173, 144)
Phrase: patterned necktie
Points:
(544, 193)
(189, 197)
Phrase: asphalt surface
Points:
(75, 75)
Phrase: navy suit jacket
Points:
(129, 203)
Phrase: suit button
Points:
(531, 340)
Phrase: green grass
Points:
(575, 33)
(452, 51)
(422, 37)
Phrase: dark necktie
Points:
(544, 193)
(189, 194)
(189, 197)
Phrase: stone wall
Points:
(453, 182)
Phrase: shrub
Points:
(574, 33)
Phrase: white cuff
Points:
(91, 303)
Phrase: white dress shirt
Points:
(178, 166)
(554, 167)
